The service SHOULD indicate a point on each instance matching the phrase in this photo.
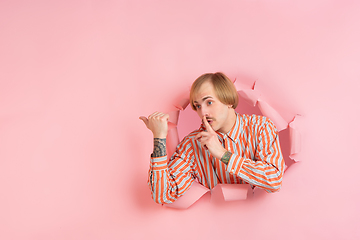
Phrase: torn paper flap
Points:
(271, 113)
(174, 117)
(172, 140)
(183, 103)
(240, 86)
(229, 192)
(233, 192)
(295, 139)
(221, 192)
(193, 194)
(171, 126)
(250, 96)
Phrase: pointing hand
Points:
(157, 123)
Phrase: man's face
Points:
(217, 113)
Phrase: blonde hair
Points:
(224, 88)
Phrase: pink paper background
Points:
(76, 75)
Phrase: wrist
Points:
(160, 136)
(159, 147)
(225, 158)
(221, 153)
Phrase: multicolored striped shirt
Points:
(256, 159)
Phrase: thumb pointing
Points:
(144, 119)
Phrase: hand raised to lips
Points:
(210, 141)
(209, 120)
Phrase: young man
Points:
(227, 148)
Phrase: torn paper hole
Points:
(229, 192)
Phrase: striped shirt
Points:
(256, 159)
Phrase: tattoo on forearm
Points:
(226, 157)
(159, 147)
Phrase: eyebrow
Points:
(204, 98)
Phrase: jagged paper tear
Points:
(230, 192)
(271, 113)
(234, 192)
(249, 95)
(195, 192)
(295, 138)
(174, 116)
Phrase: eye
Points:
(210, 102)
(197, 106)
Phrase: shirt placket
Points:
(216, 163)
(226, 143)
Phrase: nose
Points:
(204, 112)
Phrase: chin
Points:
(214, 127)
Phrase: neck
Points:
(230, 122)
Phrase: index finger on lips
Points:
(207, 125)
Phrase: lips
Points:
(209, 120)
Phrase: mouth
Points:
(210, 121)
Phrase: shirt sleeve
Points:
(266, 170)
(170, 180)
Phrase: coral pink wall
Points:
(76, 75)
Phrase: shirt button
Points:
(155, 164)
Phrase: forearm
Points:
(168, 180)
(265, 167)
(159, 181)
(159, 147)
(259, 173)
(167, 183)
(226, 157)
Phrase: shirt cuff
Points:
(158, 163)
(235, 164)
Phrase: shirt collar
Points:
(236, 130)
